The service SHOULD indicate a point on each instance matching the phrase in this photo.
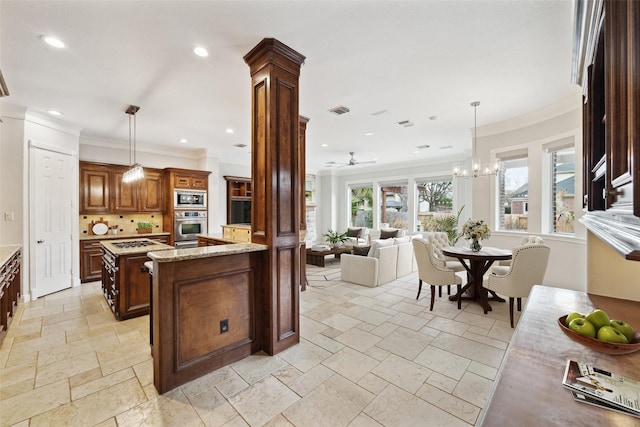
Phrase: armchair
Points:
(528, 266)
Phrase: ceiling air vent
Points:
(422, 147)
(446, 147)
(379, 113)
(240, 145)
(339, 110)
(405, 123)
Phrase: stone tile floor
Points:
(367, 357)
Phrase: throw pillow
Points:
(361, 250)
(388, 234)
(354, 232)
(377, 244)
(401, 240)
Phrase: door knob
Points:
(40, 241)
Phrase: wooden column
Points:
(275, 199)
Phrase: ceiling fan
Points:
(352, 161)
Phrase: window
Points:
(513, 193)
(562, 190)
(361, 201)
(394, 206)
(435, 200)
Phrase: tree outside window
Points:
(435, 201)
(361, 206)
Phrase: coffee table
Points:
(315, 257)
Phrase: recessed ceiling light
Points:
(446, 147)
(54, 113)
(240, 145)
(433, 118)
(368, 134)
(183, 140)
(52, 41)
(229, 130)
(200, 51)
(324, 145)
(416, 152)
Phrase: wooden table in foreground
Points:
(528, 390)
(317, 257)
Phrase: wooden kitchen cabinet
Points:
(125, 284)
(610, 52)
(95, 186)
(151, 192)
(102, 190)
(192, 182)
(90, 260)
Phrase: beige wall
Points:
(609, 274)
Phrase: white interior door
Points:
(51, 201)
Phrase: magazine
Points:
(590, 400)
(602, 388)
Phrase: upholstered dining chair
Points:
(431, 272)
(528, 266)
(439, 240)
(524, 240)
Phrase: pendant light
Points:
(135, 171)
(476, 166)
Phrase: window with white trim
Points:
(361, 202)
(513, 192)
(562, 193)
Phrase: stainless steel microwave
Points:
(190, 199)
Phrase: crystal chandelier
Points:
(476, 166)
(135, 171)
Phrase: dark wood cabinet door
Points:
(182, 181)
(151, 192)
(90, 261)
(134, 286)
(125, 194)
(94, 191)
(199, 183)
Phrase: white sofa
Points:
(387, 260)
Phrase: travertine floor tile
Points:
(336, 402)
(257, 366)
(473, 388)
(405, 342)
(305, 355)
(443, 361)
(401, 372)
(396, 407)
(351, 364)
(358, 339)
(66, 368)
(473, 350)
(171, 409)
(33, 402)
(263, 401)
(453, 405)
(94, 408)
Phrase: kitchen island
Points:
(125, 279)
(208, 309)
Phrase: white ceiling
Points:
(414, 59)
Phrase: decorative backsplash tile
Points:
(125, 224)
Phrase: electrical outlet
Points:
(224, 326)
(8, 216)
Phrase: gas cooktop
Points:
(133, 244)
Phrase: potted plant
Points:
(449, 224)
(144, 227)
(335, 238)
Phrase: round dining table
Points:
(477, 264)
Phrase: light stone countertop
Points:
(7, 251)
(156, 246)
(122, 236)
(205, 252)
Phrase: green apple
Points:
(610, 334)
(625, 328)
(598, 319)
(572, 316)
(583, 327)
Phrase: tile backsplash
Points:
(126, 224)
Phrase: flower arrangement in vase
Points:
(475, 230)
